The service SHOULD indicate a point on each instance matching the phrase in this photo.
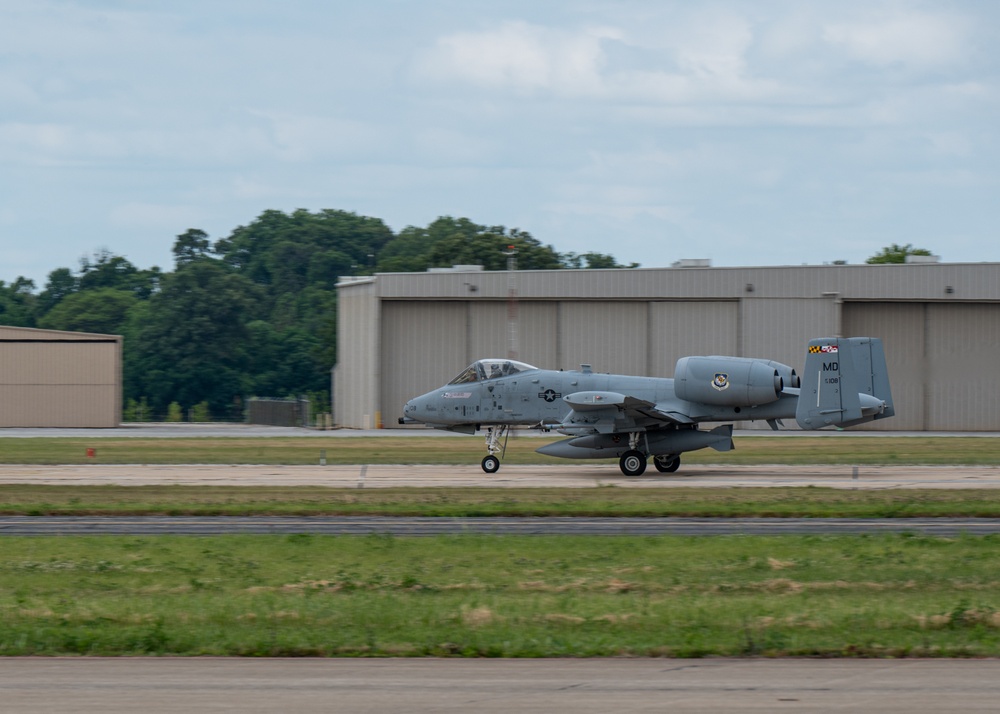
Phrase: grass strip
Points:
(478, 596)
(833, 449)
(17, 499)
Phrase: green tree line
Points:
(254, 313)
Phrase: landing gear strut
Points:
(491, 463)
(633, 461)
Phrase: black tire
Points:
(667, 464)
(491, 464)
(632, 463)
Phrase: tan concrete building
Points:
(59, 379)
(403, 334)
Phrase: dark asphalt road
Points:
(361, 525)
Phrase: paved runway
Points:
(571, 474)
(488, 686)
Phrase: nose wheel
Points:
(494, 434)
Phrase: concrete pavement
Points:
(572, 474)
(486, 686)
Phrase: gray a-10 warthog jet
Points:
(844, 383)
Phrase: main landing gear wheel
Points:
(491, 464)
(667, 464)
(632, 463)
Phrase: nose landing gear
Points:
(491, 463)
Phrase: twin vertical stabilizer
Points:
(845, 382)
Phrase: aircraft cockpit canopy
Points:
(490, 369)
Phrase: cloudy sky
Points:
(750, 132)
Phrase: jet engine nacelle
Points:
(730, 381)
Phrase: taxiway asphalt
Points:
(418, 526)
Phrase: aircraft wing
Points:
(602, 410)
(657, 412)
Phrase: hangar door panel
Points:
(423, 346)
(537, 334)
(963, 384)
(680, 329)
(901, 328)
(610, 336)
(489, 333)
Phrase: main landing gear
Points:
(633, 463)
(491, 462)
(667, 463)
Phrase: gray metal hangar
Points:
(50, 378)
(402, 334)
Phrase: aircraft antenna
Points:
(511, 254)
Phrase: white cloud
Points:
(702, 58)
(713, 46)
(520, 56)
(907, 37)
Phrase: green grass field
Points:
(482, 596)
(834, 449)
(500, 596)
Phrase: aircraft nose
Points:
(413, 409)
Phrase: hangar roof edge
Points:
(8, 331)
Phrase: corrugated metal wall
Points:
(962, 354)
(487, 333)
(355, 382)
(941, 359)
(901, 327)
(610, 336)
(679, 329)
(423, 346)
(59, 379)
(779, 328)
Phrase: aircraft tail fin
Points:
(845, 382)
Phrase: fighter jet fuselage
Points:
(619, 416)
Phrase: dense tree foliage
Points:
(17, 303)
(896, 254)
(102, 310)
(254, 313)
